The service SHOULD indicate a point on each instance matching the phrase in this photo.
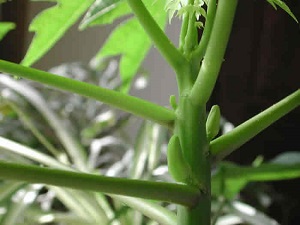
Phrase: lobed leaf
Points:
(131, 42)
(183, 6)
(283, 6)
(51, 24)
(104, 12)
(5, 27)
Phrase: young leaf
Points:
(51, 24)
(179, 169)
(5, 27)
(283, 6)
(183, 6)
(131, 42)
(104, 12)
(172, 6)
(213, 122)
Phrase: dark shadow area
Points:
(261, 67)
(12, 45)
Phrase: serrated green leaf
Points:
(183, 6)
(51, 24)
(104, 12)
(131, 42)
(5, 27)
(132, 46)
(272, 4)
(283, 6)
(172, 6)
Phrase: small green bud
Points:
(213, 122)
(173, 102)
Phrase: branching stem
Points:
(169, 192)
(161, 41)
(201, 48)
(231, 141)
(134, 105)
(215, 51)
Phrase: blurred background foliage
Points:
(269, 49)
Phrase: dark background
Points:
(261, 67)
(13, 44)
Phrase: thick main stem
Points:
(191, 130)
(191, 114)
(190, 127)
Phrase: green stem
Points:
(215, 51)
(231, 141)
(161, 41)
(169, 192)
(183, 31)
(191, 112)
(211, 12)
(191, 37)
(192, 132)
(265, 172)
(136, 106)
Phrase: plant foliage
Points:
(51, 24)
(76, 146)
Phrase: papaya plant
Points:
(32, 116)
(194, 147)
